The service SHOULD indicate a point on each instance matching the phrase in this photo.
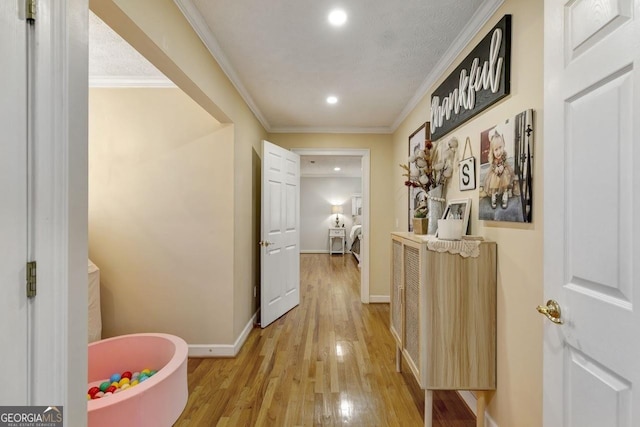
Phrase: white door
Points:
(591, 205)
(280, 234)
(13, 205)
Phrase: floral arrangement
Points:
(432, 167)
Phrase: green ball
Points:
(105, 385)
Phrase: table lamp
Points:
(336, 209)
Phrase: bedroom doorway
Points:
(364, 156)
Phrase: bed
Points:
(355, 237)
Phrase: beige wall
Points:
(381, 192)
(158, 219)
(161, 33)
(518, 399)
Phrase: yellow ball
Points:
(123, 381)
(115, 384)
(146, 371)
(134, 383)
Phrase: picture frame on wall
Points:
(506, 170)
(416, 143)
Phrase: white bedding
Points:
(355, 231)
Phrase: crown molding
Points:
(123, 81)
(372, 130)
(195, 19)
(328, 175)
(479, 19)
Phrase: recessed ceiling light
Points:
(332, 99)
(337, 169)
(337, 17)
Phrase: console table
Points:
(443, 314)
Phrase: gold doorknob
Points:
(552, 311)
(265, 243)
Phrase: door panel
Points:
(592, 190)
(13, 206)
(280, 235)
(598, 396)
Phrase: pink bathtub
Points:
(156, 402)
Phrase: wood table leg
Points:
(480, 408)
(398, 359)
(428, 408)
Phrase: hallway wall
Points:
(518, 398)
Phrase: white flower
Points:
(412, 159)
(438, 166)
(424, 179)
(420, 162)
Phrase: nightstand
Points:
(337, 233)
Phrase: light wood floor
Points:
(328, 362)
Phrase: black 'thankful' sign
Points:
(479, 81)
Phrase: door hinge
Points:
(31, 11)
(31, 279)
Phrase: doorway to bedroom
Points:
(334, 200)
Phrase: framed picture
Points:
(458, 209)
(506, 170)
(416, 143)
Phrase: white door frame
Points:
(58, 314)
(365, 154)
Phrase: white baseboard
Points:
(472, 402)
(373, 299)
(223, 350)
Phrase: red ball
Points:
(92, 391)
(111, 389)
(126, 374)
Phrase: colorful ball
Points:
(119, 382)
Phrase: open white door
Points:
(591, 205)
(280, 234)
(13, 206)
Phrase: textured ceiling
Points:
(285, 59)
(113, 62)
(324, 166)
